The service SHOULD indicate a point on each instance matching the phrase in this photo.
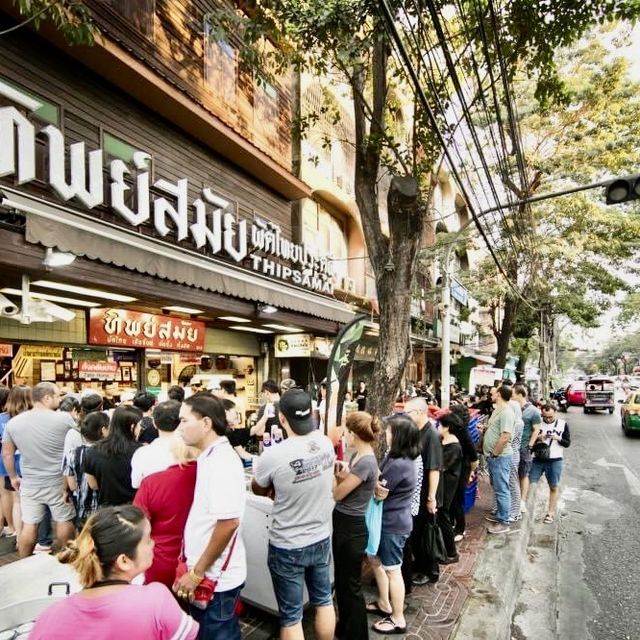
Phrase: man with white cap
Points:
(300, 469)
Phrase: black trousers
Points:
(423, 562)
(444, 522)
(456, 511)
(349, 542)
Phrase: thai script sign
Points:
(38, 352)
(6, 351)
(119, 327)
(209, 222)
(91, 370)
(293, 345)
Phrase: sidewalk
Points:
(474, 598)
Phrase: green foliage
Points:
(70, 17)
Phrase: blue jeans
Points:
(219, 619)
(499, 469)
(291, 568)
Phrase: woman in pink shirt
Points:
(113, 548)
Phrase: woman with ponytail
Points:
(353, 488)
(113, 548)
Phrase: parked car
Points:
(576, 393)
(631, 413)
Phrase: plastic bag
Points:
(373, 518)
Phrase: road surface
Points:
(583, 578)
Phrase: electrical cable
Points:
(409, 69)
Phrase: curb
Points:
(497, 579)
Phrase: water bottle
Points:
(277, 435)
(266, 440)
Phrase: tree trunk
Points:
(503, 337)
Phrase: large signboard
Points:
(123, 328)
(209, 223)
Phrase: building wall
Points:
(91, 108)
(175, 40)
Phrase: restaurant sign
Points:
(6, 351)
(209, 222)
(91, 370)
(123, 328)
(293, 345)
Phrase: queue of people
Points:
(157, 492)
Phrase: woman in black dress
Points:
(450, 477)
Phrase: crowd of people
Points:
(146, 500)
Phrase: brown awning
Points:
(57, 226)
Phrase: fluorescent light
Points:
(233, 319)
(46, 296)
(250, 329)
(94, 293)
(57, 258)
(189, 310)
(283, 327)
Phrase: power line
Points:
(409, 69)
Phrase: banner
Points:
(338, 368)
(123, 328)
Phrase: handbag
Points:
(541, 450)
(433, 541)
(373, 519)
(205, 591)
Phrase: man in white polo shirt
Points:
(158, 455)
(212, 542)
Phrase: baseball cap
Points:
(295, 406)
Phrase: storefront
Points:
(179, 265)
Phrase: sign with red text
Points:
(123, 328)
(92, 370)
(6, 351)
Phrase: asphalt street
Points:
(583, 578)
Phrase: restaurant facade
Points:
(186, 263)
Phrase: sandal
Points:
(374, 607)
(548, 519)
(392, 627)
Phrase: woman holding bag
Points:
(399, 474)
(352, 491)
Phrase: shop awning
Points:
(57, 226)
(480, 357)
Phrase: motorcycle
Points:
(560, 398)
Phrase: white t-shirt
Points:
(150, 459)
(301, 471)
(220, 494)
(72, 440)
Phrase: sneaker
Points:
(523, 507)
(419, 580)
(516, 518)
(491, 517)
(459, 537)
(498, 527)
(40, 548)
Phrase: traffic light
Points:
(623, 190)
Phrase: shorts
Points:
(525, 463)
(291, 568)
(33, 501)
(391, 550)
(550, 468)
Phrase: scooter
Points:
(560, 399)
